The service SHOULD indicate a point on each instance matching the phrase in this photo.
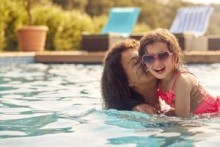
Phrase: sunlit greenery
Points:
(68, 19)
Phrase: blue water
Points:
(60, 105)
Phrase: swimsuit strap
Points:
(177, 75)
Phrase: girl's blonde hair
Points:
(162, 35)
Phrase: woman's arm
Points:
(170, 112)
(145, 108)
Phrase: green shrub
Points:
(68, 36)
(2, 34)
(53, 18)
(98, 23)
(65, 27)
(12, 15)
(141, 28)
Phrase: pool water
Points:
(60, 105)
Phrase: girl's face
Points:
(158, 59)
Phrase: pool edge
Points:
(91, 57)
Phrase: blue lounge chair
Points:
(192, 20)
(121, 21)
(118, 27)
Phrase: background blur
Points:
(67, 19)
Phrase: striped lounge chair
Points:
(192, 20)
(190, 24)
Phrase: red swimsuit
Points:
(208, 105)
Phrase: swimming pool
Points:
(60, 105)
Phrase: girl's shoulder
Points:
(186, 78)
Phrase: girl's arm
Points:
(194, 94)
(182, 89)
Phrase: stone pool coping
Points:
(90, 57)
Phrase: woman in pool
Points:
(125, 85)
(161, 55)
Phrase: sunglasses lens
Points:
(163, 56)
(148, 59)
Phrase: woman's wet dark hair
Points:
(116, 93)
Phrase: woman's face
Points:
(135, 74)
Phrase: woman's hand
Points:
(170, 112)
(145, 108)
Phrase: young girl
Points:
(161, 54)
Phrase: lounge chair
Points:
(118, 27)
(190, 26)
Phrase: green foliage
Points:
(98, 23)
(65, 28)
(2, 31)
(214, 27)
(53, 18)
(154, 13)
(97, 7)
(11, 18)
(141, 28)
(68, 36)
(78, 16)
(71, 4)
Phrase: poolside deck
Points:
(97, 57)
(93, 57)
(70, 57)
(202, 57)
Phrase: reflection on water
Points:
(60, 105)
